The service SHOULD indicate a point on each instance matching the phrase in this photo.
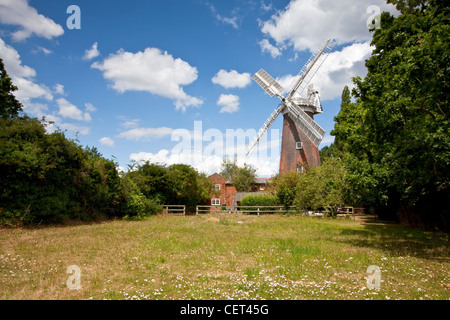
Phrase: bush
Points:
(138, 207)
(263, 200)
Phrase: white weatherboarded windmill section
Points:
(298, 111)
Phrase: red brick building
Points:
(225, 193)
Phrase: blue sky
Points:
(139, 79)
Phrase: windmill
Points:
(301, 134)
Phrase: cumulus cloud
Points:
(59, 89)
(22, 76)
(68, 110)
(107, 141)
(28, 89)
(92, 52)
(231, 79)
(20, 13)
(57, 123)
(229, 103)
(145, 133)
(266, 46)
(305, 24)
(153, 71)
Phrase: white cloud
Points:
(83, 130)
(327, 140)
(37, 109)
(339, 69)
(107, 141)
(232, 21)
(70, 127)
(92, 52)
(68, 110)
(89, 107)
(305, 24)
(18, 12)
(265, 7)
(152, 71)
(145, 133)
(43, 50)
(59, 89)
(28, 89)
(13, 63)
(228, 102)
(134, 123)
(22, 76)
(231, 79)
(266, 46)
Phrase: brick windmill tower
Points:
(301, 135)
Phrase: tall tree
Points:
(243, 178)
(404, 97)
(9, 106)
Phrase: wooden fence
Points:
(174, 209)
(346, 211)
(246, 209)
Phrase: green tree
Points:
(152, 180)
(405, 94)
(285, 187)
(347, 127)
(323, 186)
(188, 187)
(9, 105)
(243, 178)
(395, 137)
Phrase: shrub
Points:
(138, 207)
(263, 200)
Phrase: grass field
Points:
(225, 257)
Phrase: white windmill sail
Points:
(268, 83)
(264, 128)
(310, 68)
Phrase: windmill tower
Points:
(301, 134)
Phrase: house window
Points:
(215, 202)
(217, 187)
(261, 188)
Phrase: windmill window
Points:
(298, 145)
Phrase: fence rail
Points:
(245, 209)
(174, 209)
(205, 209)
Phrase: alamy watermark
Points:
(374, 20)
(74, 281)
(74, 20)
(374, 278)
